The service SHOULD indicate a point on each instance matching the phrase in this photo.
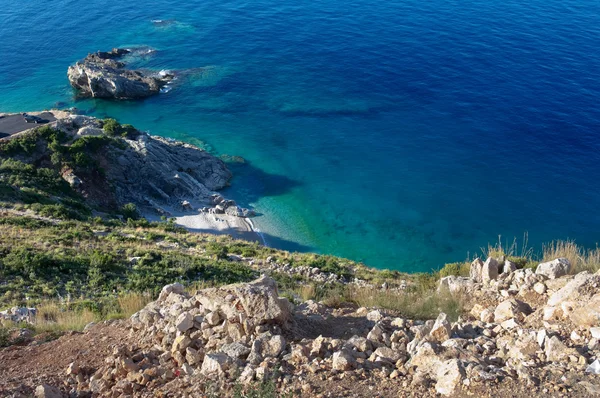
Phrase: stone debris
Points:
(19, 314)
(245, 333)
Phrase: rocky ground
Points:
(526, 333)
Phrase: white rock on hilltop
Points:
(555, 268)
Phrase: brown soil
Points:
(23, 368)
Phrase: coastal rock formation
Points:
(149, 171)
(102, 75)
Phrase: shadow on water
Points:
(250, 183)
(270, 240)
(284, 244)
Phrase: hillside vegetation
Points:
(55, 254)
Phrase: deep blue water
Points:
(404, 134)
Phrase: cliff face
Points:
(150, 171)
(101, 75)
(110, 165)
(155, 170)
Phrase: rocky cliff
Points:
(150, 171)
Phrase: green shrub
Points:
(456, 269)
(4, 337)
(130, 211)
(218, 250)
(111, 127)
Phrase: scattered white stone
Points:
(475, 271)
(489, 271)
(539, 288)
(441, 330)
(594, 367)
(212, 318)
(184, 322)
(449, 377)
(375, 316)
(47, 391)
(343, 360)
(554, 269)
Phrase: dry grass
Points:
(52, 318)
(306, 292)
(411, 304)
(509, 249)
(581, 259)
(133, 302)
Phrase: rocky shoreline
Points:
(161, 177)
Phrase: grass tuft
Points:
(52, 317)
(581, 259)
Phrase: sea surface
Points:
(404, 134)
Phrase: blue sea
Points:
(404, 134)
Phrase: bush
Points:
(456, 269)
(130, 212)
(111, 127)
(4, 337)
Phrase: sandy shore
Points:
(220, 224)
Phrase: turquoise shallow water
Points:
(404, 134)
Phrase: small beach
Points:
(220, 224)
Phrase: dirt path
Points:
(22, 368)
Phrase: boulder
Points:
(213, 318)
(522, 349)
(477, 310)
(343, 360)
(215, 364)
(586, 313)
(456, 284)
(539, 288)
(487, 316)
(47, 391)
(258, 300)
(449, 377)
(441, 330)
(359, 343)
(509, 267)
(236, 350)
(554, 269)
(184, 322)
(576, 289)
(387, 354)
(475, 272)
(557, 351)
(375, 316)
(510, 309)
(489, 270)
(90, 130)
(273, 346)
(176, 288)
(193, 356)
